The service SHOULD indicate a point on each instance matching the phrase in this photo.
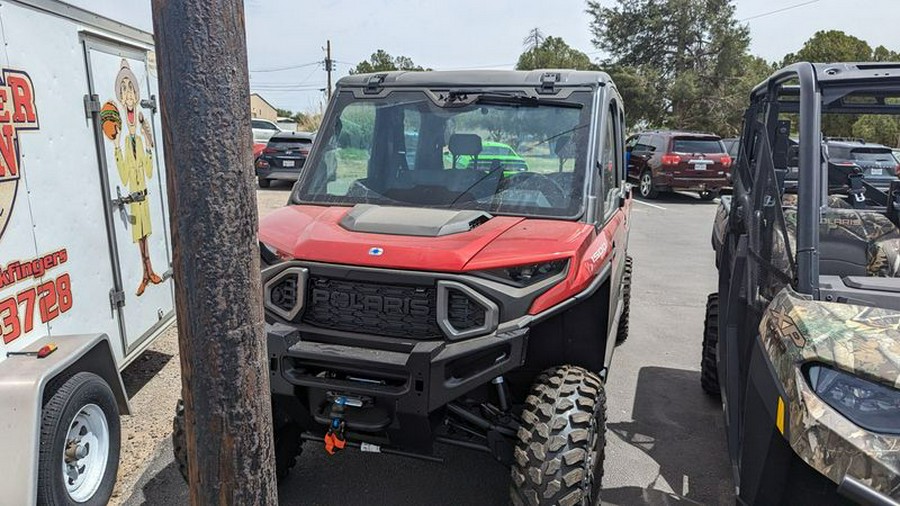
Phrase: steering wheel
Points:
(550, 189)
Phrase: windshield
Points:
(872, 155)
(499, 156)
(687, 145)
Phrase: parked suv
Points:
(877, 162)
(411, 303)
(283, 157)
(666, 161)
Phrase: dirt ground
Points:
(153, 384)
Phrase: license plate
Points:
(287, 163)
(700, 164)
(877, 172)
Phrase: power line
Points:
(776, 11)
(291, 67)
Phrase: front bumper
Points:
(401, 384)
(691, 183)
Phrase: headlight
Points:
(268, 255)
(526, 275)
(870, 405)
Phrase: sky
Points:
(474, 33)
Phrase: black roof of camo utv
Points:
(841, 73)
(479, 78)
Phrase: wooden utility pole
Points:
(205, 99)
(329, 66)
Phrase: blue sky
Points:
(473, 33)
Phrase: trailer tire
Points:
(288, 443)
(80, 429)
(622, 333)
(709, 369)
(558, 458)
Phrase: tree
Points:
(695, 51)
(827, 46)
(534, 39)
(283, 113)
(382, 61)
(553, 52)
(879, 128)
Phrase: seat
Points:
(852, 242)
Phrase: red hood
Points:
(314, 233)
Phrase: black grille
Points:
(464, 313)
(386, 310)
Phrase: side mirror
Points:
(624, 194)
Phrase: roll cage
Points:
(803, 91)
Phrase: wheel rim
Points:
(646, 185)
(86, 452)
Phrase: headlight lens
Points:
(268, 255)
(870, 405)
(526, 275)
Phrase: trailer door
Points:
(134, 187)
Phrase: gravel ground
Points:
(153, 384)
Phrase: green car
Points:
(491, 152)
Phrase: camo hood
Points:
(861, 340)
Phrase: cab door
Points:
(123, 90)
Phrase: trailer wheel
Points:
(709, 369)
(288, 443)
(80, 437)
(622, 333)
(559, 455)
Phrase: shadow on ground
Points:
(671, 423)
(143, 369)
(352, 478)
(680, 198)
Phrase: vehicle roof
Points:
(833, 74)
(471, 78)
(287, 136)
(843, 143)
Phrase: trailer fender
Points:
(22, 383)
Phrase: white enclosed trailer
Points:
(85, 252)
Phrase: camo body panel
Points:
(861, 340)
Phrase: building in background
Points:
(260, 108)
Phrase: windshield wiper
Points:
(457, 98)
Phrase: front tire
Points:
(645, 187)
(80, 438)
(709, 369)
(559, 456)
(622, 333)
(288, 442)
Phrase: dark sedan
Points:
(283, 157)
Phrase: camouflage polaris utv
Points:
(802, 339)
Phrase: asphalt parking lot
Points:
(665, 439)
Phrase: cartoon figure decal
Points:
(17, 113)
(134, 161)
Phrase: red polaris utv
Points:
(412, 300)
